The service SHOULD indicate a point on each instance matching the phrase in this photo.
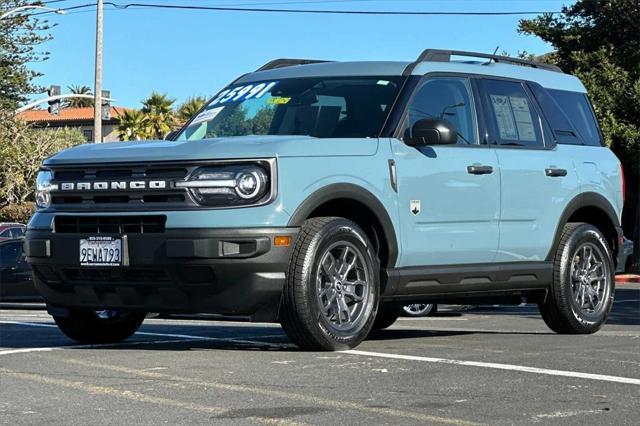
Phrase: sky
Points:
(189, 53)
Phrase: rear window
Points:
(577, 109)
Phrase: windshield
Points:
(321, 107)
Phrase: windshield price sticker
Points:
(207, 115)
(242, 93)
(278, 100)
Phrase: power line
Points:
(304, 11)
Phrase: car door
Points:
(448, 196)
(537, 180)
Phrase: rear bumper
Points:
(233, 272)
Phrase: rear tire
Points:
(581, 295)
(331, 294)
(87, 326)
(420, 309)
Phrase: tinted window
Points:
(6, 233)
(562, 129)
(9, 254)
(17, 232)
(512, 117)
(577, 108)
(447, 98)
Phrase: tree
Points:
(160, 118)
(598, 41)
(261, 122)
(189, 108)
(79, 102)
(22, 150)
(20, 34)
(132, 125)
(233, 123)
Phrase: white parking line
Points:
(177, 339)
(434, 319)
(493, 365)
(190, 337)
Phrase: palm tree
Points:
(132, 125)
(160, 118)
(78, 102)
(189, 108)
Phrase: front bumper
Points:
(231, 272)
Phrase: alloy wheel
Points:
(343, 287)
(590, 279)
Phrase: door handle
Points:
(479, 170)
(555, 172)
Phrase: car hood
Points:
(212, 149)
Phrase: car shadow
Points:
(186, 337)
(625, 311)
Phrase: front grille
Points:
(110, 199)
(121, 173)
(109, 224)
(115, 275)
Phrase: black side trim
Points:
(461, 279)
(586, 199)
(352, 192)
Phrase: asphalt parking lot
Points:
(495, 365)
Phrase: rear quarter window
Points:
(577, 109)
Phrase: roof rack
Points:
(283, 62)
(437, 55)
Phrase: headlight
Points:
(44, 188)
(229, 185)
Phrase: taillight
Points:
(624, 184)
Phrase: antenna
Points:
(494, 54)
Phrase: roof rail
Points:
(283, 62)
(437, 55)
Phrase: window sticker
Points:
(207, 115)
(504, 117)
(278, 100)
(522, 114)
(242, 93)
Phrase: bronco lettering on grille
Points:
(113, 185)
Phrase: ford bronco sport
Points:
(327, 195)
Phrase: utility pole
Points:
(97, 89)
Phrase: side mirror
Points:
(432, 131)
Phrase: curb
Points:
(628, 278)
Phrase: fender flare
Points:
(356, 193)
(587, 199)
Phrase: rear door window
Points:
(511, 114)
(578, 110)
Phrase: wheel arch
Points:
(359, 205)
(594, 209)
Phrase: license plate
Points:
(101, 251)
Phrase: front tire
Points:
(581, 295)
(87, 326)
(331, 294)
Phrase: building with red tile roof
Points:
(75, 117)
